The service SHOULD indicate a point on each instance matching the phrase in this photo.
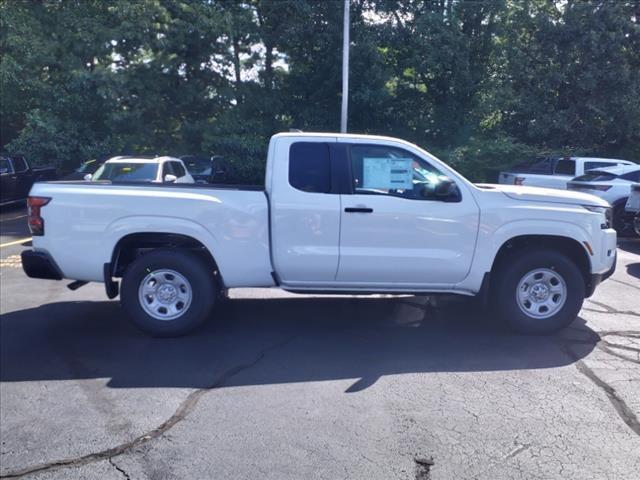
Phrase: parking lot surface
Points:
(281, 386)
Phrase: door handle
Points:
(358, 210)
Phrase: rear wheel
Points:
(168, 292)
(537, 292)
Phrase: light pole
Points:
(345, 69)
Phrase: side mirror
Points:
(444, 187)
(88, 177)
(168, 178)
(446, 190)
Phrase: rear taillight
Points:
(518, 181)
(36, 222)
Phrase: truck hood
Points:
(550, 195)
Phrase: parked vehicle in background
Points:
(632, 207)
(338, 213)
(139, 169)
(612, 184)
(555, 172)
(204, 169)
(199, 167)
(17, 176)
(88, 167)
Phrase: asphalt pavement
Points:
(282, 386)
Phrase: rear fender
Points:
(150, 224)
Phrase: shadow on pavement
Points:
(330, 339)
(633, 269)
(630, 245)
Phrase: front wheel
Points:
(167, 292)
(537, 292)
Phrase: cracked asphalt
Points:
(281, 386)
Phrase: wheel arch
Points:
(131, 246)
(571, 247)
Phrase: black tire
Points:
(507, 276)
(192, 268)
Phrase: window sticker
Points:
(387, 173)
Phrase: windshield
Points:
(595, 176)
(89, 166)
(127, 172)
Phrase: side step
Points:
(76, 285)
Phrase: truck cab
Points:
(17, 176)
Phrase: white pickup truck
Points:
(338, 214)
(552, 172)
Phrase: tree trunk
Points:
(236, 65)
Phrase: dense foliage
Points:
(482, 83)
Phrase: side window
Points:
(5, 166)
(20, 164)
(383, 170)
(566, 167)
(632, 176)
(178, 169)
(310, 167)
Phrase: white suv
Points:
(613, 185)
(139, 169)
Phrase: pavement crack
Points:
(423, 467)
(624, 412)
(625, 283)
(121, 470)
(627, 415)
(622, 409)
(611, 347)
(185, 407)
(521, 447)
(610, 309)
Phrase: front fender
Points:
(490, 243)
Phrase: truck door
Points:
(8, 180)
(564, 171)
(24, 176)
(305, 211)
(404, 225)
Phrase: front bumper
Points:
(40, 265)
(597, 278)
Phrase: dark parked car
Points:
(206, 170)
(17, 177)
(88, 167)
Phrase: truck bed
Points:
(84, 221)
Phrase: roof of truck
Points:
(337, 135)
